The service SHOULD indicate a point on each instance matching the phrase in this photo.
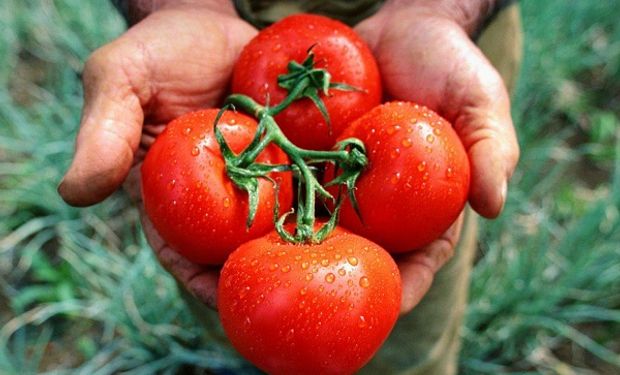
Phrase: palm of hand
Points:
(430, 60)
(173, 62)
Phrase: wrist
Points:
(135, 11)
(470, 15)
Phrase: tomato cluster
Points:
(218, 186)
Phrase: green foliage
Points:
(549, 281)
(81, 292)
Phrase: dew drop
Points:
(330, 277)
(285, 269)
(305, 265)
(187, 130)
(309, 276)
(407, 142)
(226, 202)
(273, 266)
(437, 131)
(171, 184)
(337, 256)
(352, 261)
(298, 257)
(449, 172)
(362, 322)
(195, 151)
(325, 262)
(395, 177)
(303, 291)
(342, 272)
(364, 282)
(254, 263)
(430, 138)
(422, 166)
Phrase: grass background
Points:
(80, 291)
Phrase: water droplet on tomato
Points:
(273, 266)
(395, 177)
(337, 256)
(195, 151)
(305, 265)
(309, 276)
(277, 47)
(330, 277)
(407, 142)
(297, 257)
(187, 130)
(226, 202)
(303, 291)
(254, 262)
(422, 166)
(430, 138)
(352, 261)
(325, 262)
(342, 272)
(171, 184)
(286, 268)
(364, 282)
(437, 131)
(362, 322)
(449, 172)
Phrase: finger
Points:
(110, 127)
(200, 281)
(484, 124)
(418, 268)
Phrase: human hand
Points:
(177, 59)
(425, 55)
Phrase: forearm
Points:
(136, 10)
(471, 15)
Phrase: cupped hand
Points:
(425, 55)
(176, 60)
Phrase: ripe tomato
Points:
(189, 198)
(309, 309)
(337, 48)
(417, 180)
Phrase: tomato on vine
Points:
(309, 308)
(195, 207)
(417, 179)
(277, 57)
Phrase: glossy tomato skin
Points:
(417, 180)
(309, 309)
(337, 48)
(189, 198)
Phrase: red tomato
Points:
(337, 48)
(189, 198)
(417, 180)
(309, 309)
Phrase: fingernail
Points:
(504, 193)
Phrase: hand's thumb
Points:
(109, 131)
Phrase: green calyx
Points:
(305, 81)
(348, 156)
